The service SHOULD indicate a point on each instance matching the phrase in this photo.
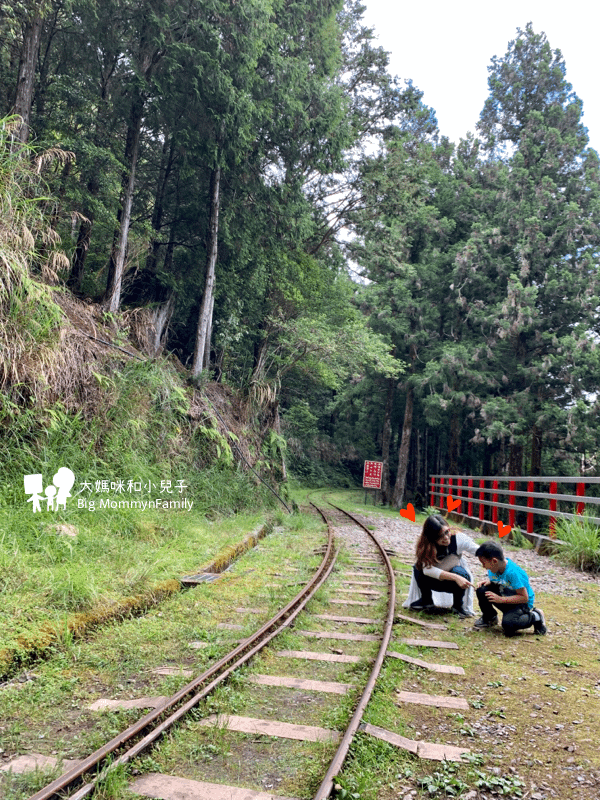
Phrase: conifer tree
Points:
(527, 280)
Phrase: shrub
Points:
(582, 542)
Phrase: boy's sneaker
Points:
(539, 626)
(482, 623)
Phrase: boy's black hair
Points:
(490, 550)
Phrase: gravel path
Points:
(548, 575)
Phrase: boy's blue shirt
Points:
(513, 577)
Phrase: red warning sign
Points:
(372, 474)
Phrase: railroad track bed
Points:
(306, 683)
(131, 657)
(533, 702)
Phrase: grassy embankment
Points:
(61, 571)
(131, 430)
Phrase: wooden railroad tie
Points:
(439, 701)
(331, 687)
(268, 727)
(311, 655)
(448, 669)
(168, 787)
(430, 643)
(352, 637)
(436, 752)
(432, 625)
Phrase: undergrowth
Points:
(114, 467)
(582, 542)
(28, 252)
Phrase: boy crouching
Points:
(507, 589)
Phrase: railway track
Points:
(272, 714)
(358, 578)
(314, 667)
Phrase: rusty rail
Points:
(336, 764)
(208, 680)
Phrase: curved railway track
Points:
(82, 780)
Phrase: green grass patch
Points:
(582, 538)
(53, 583)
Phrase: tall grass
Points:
(68, 560)
(29, 258)
(582, 537)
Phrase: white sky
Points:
(446, 47)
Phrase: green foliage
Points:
(209, 438)
(300, 422)
(529, 259)
(332, 353)
(445, 782)
(500, 785)
(314, 473)
(518, 539)
(582, 537)
(274, 446)
(113, 783)
(452, 781)
(29, 318)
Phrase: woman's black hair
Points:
(433, 526)
(426, 543)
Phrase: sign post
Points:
(372, 477)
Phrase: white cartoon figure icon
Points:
(50, 492)
(63, 480)
(34, 486)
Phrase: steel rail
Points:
(328, 781)
(221, 669)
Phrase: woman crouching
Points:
(440, 568)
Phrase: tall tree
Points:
(527, 280)
(32, 31)
(402, 233)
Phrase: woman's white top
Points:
(464, 544)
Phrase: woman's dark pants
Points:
(427, 585)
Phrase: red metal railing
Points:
(496, 486)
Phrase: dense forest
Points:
(249, 187)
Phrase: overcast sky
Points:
(446, 47)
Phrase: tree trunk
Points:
(536, 452)
(426, 469)
(515, 461)
(203, 329)
(25, 81)
(162, 317)
(78, 264)
(112, 297)
(206, 363)
(166, 166)
(403, 450)
(454, 444)
(420, 491)
(386, 493)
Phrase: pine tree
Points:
(527, 280)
